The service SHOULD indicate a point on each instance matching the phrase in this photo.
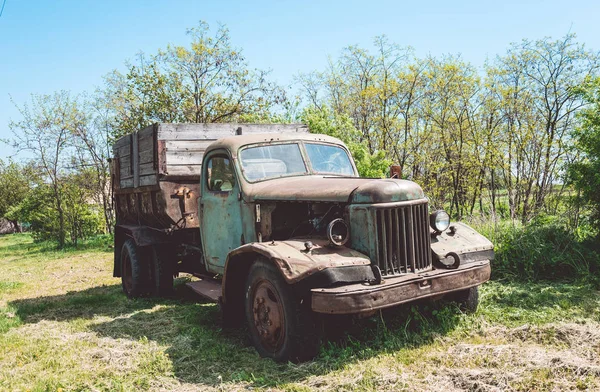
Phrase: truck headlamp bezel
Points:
(338, 232)
(439, 221)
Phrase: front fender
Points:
(295, 262)
(464, 243)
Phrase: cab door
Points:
(221, 223)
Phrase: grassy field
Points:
(65, 325)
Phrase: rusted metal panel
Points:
(358, 298)
(394, 235)
(335, 189)
(164, 205)
(460, 239)
(297, 263)
(144, 235)
(161, 156)
(207, 288)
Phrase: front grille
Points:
(403, 238)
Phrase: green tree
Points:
(205, 82)
(144, 95)
(538, 81)
(16, 182)
(81, 219)
(45, 131)
(585, 172)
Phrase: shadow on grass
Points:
(203, 353)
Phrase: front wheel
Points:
(281, 324)
(467, 300)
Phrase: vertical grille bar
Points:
(381, 219)
(403, 239)
(389, 227)
(417, 223)
(397, 241)
(411, 239)
(418, 237)
(404, 242)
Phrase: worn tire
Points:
(467, 300)
(162, 270)
(298, 338)
(135, 277)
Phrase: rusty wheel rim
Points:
(269, 318)
(127, 275)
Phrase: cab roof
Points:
(233, 143)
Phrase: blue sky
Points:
(47, 46)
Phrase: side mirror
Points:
(395, 171)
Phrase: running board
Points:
(209, 289)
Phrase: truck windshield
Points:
(283, 160)
(329, 159)
(277, 160)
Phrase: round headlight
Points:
(439, 220)
(338, 232)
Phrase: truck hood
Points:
(335, 189)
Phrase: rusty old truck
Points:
(275, 224)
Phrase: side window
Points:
(219, 174)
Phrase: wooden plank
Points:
(184, 170)
(126, 182)
(124, 162)
(136, 160)
(147, 180)
(124, 167)
(124, 173)
(122, 151)
(147, 132)
(146, 143)
(122, 141)
(146, 156)
(187, 145)
(217, 131)
(184, 158)
(147, 168)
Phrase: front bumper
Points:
(360, 297)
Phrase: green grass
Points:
(65, 324)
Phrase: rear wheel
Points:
(467, 300)
(281, 325)
(135, 277)
(162, 268)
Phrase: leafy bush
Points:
(544, 249)
(38, 212)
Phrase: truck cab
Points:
(287, 232)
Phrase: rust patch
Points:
(296, 263)
(358, 298)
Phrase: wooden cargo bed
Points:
(156, 171)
